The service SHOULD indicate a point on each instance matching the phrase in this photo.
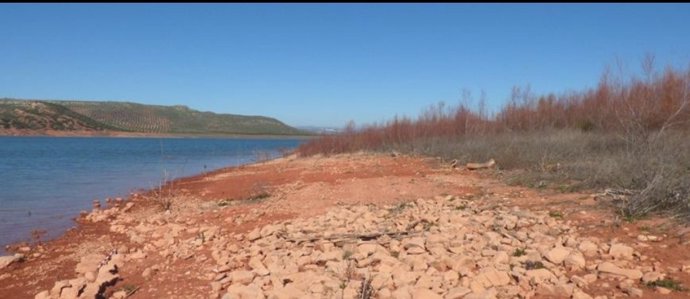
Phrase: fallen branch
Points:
(616, 196)
(475, 166)
(132, 291)
(345, 237)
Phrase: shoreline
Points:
(24, 235)
(315, 215)
(134, 193)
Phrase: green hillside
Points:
(131, 117)
(38, 115)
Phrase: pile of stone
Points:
(440, 248)
(445, 247)
(95, 272)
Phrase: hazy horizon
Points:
(325, 64)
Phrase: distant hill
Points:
(131, 117)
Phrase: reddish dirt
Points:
(304, 187)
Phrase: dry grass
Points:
(366, 291)
(627, 134)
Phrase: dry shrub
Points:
(632, 109)
(626, 133)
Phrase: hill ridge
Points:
(74, 115)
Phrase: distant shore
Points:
(59, 133)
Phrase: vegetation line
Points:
(628, 134)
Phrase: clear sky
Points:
(325, 64)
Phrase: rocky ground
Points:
(352, 225)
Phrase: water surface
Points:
(46, 181)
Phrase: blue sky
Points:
(325, 64)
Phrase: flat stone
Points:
(236, 291)
(105, 278)
(242, 277)
(425, 294)
(450, 278)
(9, 259)
(620, 251)
(401, 293)
(57, 288)
(90, 276)
(634, 292)
(128, 207)
(427, 281)
(492, 277)
(575, 260)
(579, 281)
(403, 278)
(436, 239)
(69, 292)
(415, 250)
(501, 257)
(590, 278)
(384, 293)
(418, 263)
(413, 242)
(43, 295)
(588, 248)
(119, 295)
(457, 293)
(652, 276)
(268, 230)
(254, 235)
(381, 280)
(368, 249)
(258, 266)
(557, 255)
(147, 273)
(607, 267)
(485, 294)
(287, 292)
(663, 291)
(540, 275)
(77, 284)
(578, 294)
(564, 288)
(324, 246)
(137, 255)
(90, 291)
(333, 255)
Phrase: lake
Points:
(46, 181)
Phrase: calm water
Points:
(45, 182)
